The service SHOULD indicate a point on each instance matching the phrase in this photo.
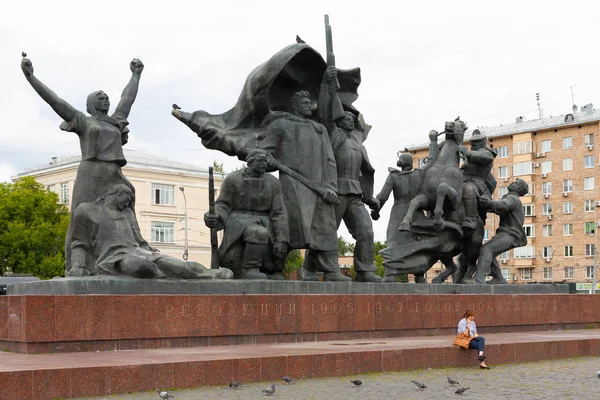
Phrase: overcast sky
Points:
(422, 63)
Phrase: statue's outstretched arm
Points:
(130, 92)
(64, 110)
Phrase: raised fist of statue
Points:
(136, 66)
(433, 135)
(27, 66)
(330, 73)
(330, 196)
(211, 220)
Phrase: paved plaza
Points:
(558, 379)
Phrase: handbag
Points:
(463, 339)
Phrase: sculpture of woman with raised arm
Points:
(101, 138)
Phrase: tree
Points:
(33, 227)
(218, 167)
(293, 262)
(345, 248)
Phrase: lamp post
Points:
(185, 224)
(595, 258)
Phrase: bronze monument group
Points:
(295, 115)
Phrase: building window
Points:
(588, 183)
(567, 142)
(547, 209)
(568, 272)
(51, 188)
(547, 251)
(64, 193)
(503, 152)
(421, 162)
(526, 273)
(529, 210)
(524, 168)
(506, 273)
(567, 164)
(504, 256)
(163, 194)
(588, 161)
(568, 207)
(588, 139)
(567, 185)
(588, 228)
(589, 272)
(486, 234)
(546, 167)
(546, 230)
(163, 232)
(588, 205)
(546, 146)
(567, 229)
(569, 250)
(523, 147)
(547, 272)
(529, 230)
(589, 250)
(546, 188)
(502, 172)
(524, 252)
(502, 191)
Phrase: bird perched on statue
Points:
(288, 380)
(23, 54)
(357, 382)
(269, 391)
(461, 390)
(452, 381)
(164, 395)
(234, 385)
(299, 39)
(420, 385)
(176, 107)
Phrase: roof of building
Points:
(586, 115)
(134, 159)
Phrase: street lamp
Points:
(595, 258)
(185, 226)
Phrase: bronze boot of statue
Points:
(253, 255)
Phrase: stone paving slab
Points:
(558, 379)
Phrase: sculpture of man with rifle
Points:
(250, 208)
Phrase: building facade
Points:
(166, 193)
(559, 158)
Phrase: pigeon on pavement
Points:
(234, 385)
(164, 395)
(288, 380)
(598, 374)
(461, 390)
(269, 391)
(420, 385)
(357, 382)
(452, 381)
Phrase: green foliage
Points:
(293, 262)
(344, 248)
(218, 167)
(379, 262)
(33, 227)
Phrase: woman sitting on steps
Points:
(476, 342)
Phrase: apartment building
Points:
(168, 194)
(558, 156)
